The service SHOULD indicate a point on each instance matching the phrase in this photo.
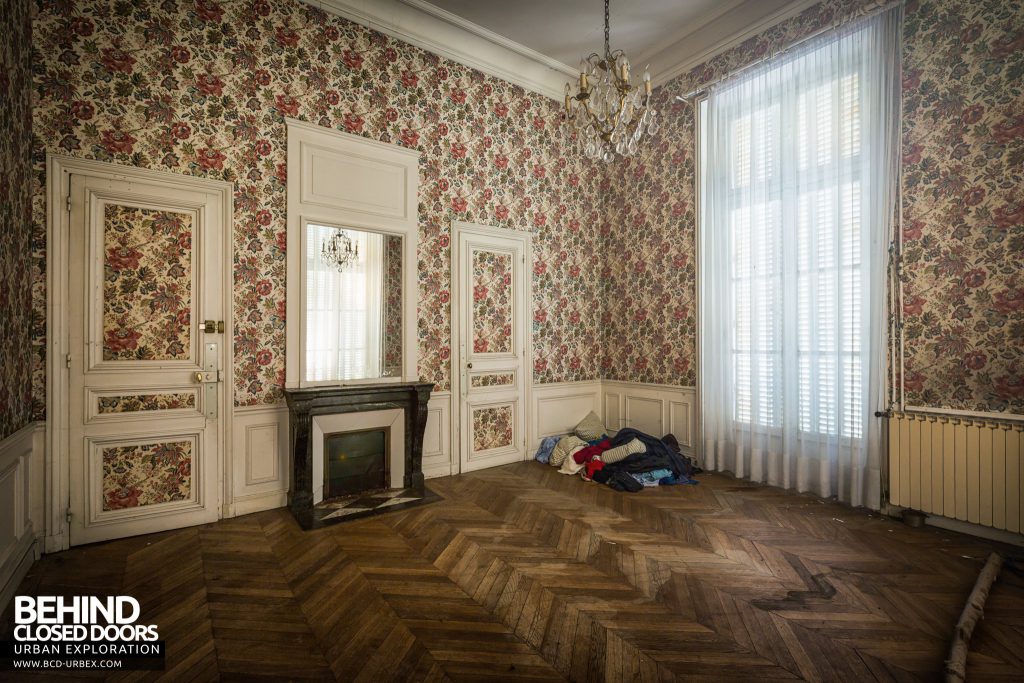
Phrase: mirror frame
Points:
(355, 183)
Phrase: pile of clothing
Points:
(626, 460)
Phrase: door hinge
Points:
(69, 203)
(67, 515)
(67, 360)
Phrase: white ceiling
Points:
(539, 43)
(566, 30)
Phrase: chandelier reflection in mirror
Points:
(338, 250)
(609, 114)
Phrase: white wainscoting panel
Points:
(657, 409)
(21, 505)
(437, 438)
(558, 408)
(259, 459)
(645, 413)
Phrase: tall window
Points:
(797, 179)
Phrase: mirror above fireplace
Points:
(352, 277)
(353, 305)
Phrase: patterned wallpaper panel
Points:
(963, 174)
(393, 304)
(15, 215)
(136, 403)
(146, 474)
(202, 88)
(492, 379)
(492, 427)
(147, 284)
(963, 205)
(492, 302)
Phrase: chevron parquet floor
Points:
(525, 574)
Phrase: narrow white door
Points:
(491, 352)
(145, 273)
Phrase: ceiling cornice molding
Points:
(420, 23)
(677, 66)
(491, 36)
(456, 39)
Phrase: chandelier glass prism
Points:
(609, 114)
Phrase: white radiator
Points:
(965, 468)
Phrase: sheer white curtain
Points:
(344, 309)
(799, 172)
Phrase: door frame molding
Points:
(59, 169)
(455, 320)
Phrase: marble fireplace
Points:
(352, 440)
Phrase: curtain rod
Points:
(855, 16)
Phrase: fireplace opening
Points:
(355, 462)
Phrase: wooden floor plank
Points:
(521, 573)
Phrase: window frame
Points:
(774, 188)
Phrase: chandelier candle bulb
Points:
(614, 125)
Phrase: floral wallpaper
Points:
(146, 474)
(492, 428)
(492, 302)
(202, 88)
(649, 316)
(15, 215)
(392, 305)
(143, 402)
(147, 284)
(492, 379)
(963, 205)
(963, 210)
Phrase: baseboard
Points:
(958, 526)
(436, 471)
(258, 502)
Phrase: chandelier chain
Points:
(607, 30)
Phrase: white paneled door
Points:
(492, 339)
(146, 349)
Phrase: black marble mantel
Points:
(304, 404)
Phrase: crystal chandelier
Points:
(338, 250)
(607, 111)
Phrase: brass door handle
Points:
(469, 365)
(211, 326)
(199, 377)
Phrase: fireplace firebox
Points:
(355, 462)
